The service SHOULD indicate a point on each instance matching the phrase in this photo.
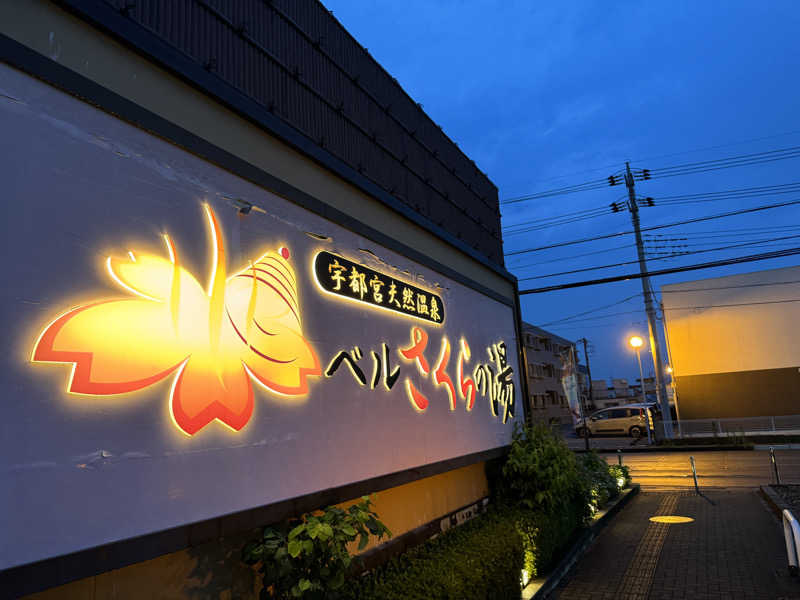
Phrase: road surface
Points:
(719, 469)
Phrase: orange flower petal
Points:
(210, 387)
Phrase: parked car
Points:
(620, 420)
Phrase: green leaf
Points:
(362, 542)
(313, 529)
(295, 548)
(297, 531)
(304, 585)
(252, 552)
(337, 581)
(346, 529)
(308, 546)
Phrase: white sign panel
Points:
(171, 359)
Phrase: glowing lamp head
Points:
(669, 369)
(636, 342)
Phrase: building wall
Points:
(71, 42)
(546, 400)
(734, 344)
(214, 570)
(209, 562)
(297, 60)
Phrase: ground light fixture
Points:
(636, 343)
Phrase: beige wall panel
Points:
(411, 505)
(214, 570)
(758, 330)
(54, 33)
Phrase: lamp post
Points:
(636, 343)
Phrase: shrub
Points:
(602, 485)
(621, 474)
(481, 559)
(544, 536)
(308, 557)
(541, 472)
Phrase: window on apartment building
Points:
(553, 397)
(536, 370)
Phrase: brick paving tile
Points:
(734, 549)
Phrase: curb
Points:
(772, 499)
(540, 588)
(634, 450)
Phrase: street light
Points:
(636, 343)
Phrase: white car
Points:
(631, 419)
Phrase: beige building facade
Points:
(734, 344)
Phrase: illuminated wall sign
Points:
(208, 366)
(215, 341)
(493, 380)
(342, 277)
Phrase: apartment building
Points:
(547, 356)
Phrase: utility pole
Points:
(580, 397)
(589, 374)
(649, 305)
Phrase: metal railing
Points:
(730, 427)
(791, 534)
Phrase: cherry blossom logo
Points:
(214, 342)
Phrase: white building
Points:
(734, 344)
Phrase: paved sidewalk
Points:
(732, 550)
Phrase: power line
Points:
(683, 152)
(633, 312)
(725, 163)
(572, 257)
(597, 213)
(556, 218)
(570, 189)
(730, 287)
(616, 314)
(632, 262)
(580, 314)
(708, 265)
(655, 227)
(740, 194)
(696, 247)
(736, 304)
(649, 243)
(598, 326)
(773, 228)
(758, 139)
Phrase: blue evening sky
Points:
(549, 94)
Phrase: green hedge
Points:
(542, 497)
(546, 536)
(480, 559)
